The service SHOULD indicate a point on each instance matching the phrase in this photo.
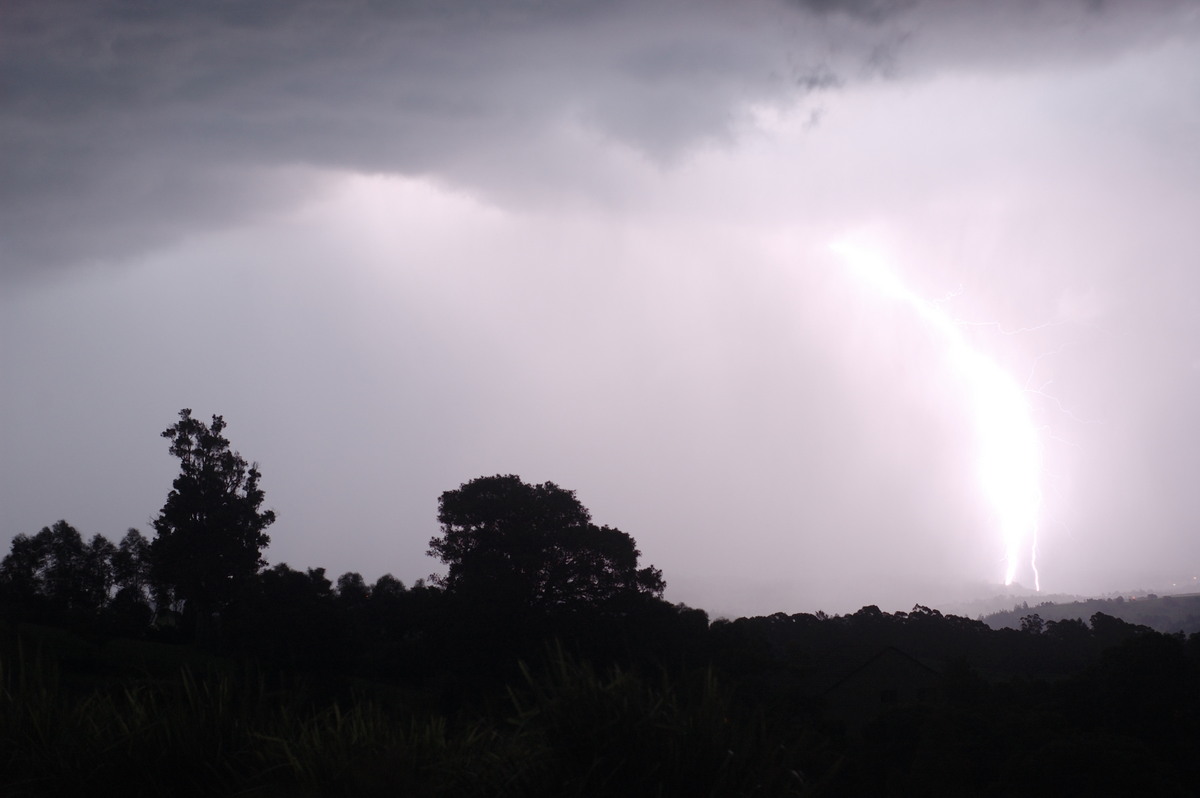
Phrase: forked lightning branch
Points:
(1010, 449)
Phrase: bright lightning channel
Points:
(1010, 452)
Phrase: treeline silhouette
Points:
(1175, 613)
(545, 661)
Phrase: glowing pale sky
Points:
(402, 247)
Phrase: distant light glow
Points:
(1010, 451)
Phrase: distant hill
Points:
(1170, 614)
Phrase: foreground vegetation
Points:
(222, 728)
(759, 707)
(545, 662)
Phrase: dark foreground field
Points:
(864, 704)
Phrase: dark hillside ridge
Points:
(1168, 614)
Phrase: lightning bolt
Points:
(1010, 450)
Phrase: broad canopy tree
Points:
(535, 546)
(210, 532)
(57, 569)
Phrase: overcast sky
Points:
(402, 245)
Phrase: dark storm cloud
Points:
(400, 246)
(127, 124)
(871, 10)
(124, 122)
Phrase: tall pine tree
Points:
(210, 532)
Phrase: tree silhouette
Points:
(290, 617)
(533, 546)
(131, 565)
(23, 571)
(57, 571)
(352, 590)
(63, 573)
(388, 588)
(1033, 624)
(130, 607)
(209, 533)
(96, 574)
